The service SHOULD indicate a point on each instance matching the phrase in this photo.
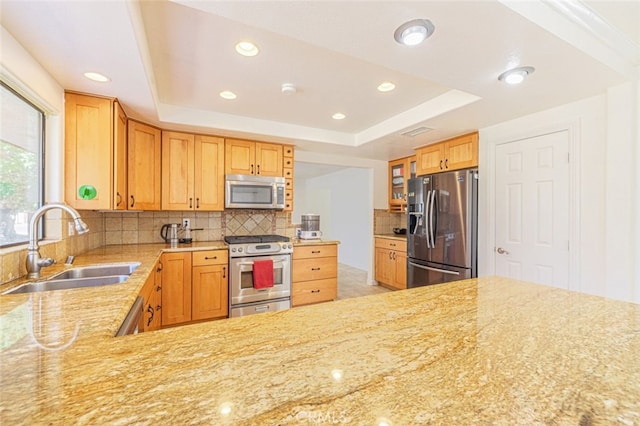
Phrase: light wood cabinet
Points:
(391, 263)
(152, 294)
(288, 177)
(453, 154)
(400, 171)
(315, 274)
(176, 288)
(210, 285)
(95, 152)
(143, 172)
(253, 158)
(195, 286)
(192, 172)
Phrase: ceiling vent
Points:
(417, 131)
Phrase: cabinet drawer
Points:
(396, 245)
(306, 292)
(307, 252)
(315, 269)
(209, 257)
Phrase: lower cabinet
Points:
(315, 274)
(152, 294)
(391, 263)
(195, 286)
(209, 285)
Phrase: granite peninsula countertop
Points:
(482, 351)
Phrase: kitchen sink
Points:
(85, 276)
(97, 271)
(67, 284)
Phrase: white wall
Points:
(344, 201)
(604, 140)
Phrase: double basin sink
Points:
(84, 276)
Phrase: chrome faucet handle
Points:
(47, 261)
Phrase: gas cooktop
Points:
(249, 239)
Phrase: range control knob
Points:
(240, 249)
(233, 250)
(289, 246)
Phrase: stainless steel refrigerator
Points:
(442, 228)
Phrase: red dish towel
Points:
(262, 274)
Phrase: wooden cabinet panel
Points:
(239, 157)
(177, 171)
(151, 292)
(391, 263)
(314, 274)
(307, 292)
(453, 154)
(315, 251)
(210, 292)
(253, 158)
(209, 173)
(89, 127)
(120, 158)
(314, 269)
(268, 159)
(210, 257)
(176, 288)
(143, 166)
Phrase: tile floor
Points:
(352, 282)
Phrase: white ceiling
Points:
(168, 60)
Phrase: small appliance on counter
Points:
(310, 227)
(169, 233)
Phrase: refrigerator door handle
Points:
(432, 223)
(428, 268)
(428, 218)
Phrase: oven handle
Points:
(280, 262)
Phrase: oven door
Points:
(241, 279)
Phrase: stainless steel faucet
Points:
(34, 261)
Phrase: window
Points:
(21, 165)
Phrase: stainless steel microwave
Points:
(254, 192)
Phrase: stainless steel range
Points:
(244, 297)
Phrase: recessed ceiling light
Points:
(338, 116)
(247, 48)
(516, 75)
(289, 89)
(386, 86)
(227, 94)
(96, 76)
(414, 32)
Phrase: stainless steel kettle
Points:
(169, 233)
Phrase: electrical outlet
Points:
(186, 223)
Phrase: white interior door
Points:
(532, 209)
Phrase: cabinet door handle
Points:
(190, 202)
(158, 288)
(440, 164)
(315, 291)
(133, 201)
(446, 163)
(224, 272)
(315, 251)
(394, 255)
(258, 167)
(158, 307)
(119, 198)
(152, 312)
(252, 169)
(315, 269)
(197, 202)
(210, 258)
(159, 269)
(391, 255)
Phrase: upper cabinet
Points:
(143, 172)
(400, 171)
(95, 152)
(453, 154)
(192, 172)
(244, 157)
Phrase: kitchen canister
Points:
(310, 222)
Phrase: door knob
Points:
(500, 250)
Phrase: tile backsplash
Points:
(384, 221)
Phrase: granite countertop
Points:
(320, 242)
(482, 351)
(392, 236)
